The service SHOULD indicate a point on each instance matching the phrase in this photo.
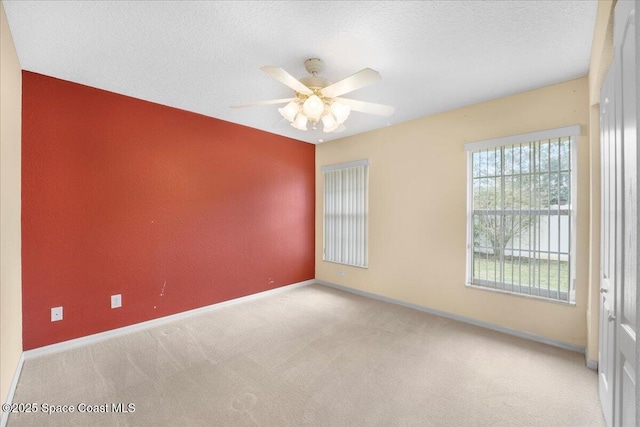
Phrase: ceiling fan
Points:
(317, 99)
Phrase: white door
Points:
(606, 350)
(626, 287)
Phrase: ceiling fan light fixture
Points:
(290, 110)
(340, 111)
(316, 98)
(300, 122)
(329, 123)
(313, 107)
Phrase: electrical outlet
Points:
(116, 301)
(56, 314)
(340, 272)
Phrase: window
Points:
(521, 214)
(345, 213)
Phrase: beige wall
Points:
(10, 231)
(601, 49)
(417, 209)
(601, 56)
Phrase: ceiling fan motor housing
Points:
(314, 66)
(315, 82)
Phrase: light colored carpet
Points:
(315, 356)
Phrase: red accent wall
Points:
(171, 209)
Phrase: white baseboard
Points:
(591, 364)
(12, 390)
(486, 325)
(101, 336)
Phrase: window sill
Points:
(366, 267)
(527, 296)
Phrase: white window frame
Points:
(345, 239)
(570, 131)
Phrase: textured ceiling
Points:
(205, 56)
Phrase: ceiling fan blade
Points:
(270, 102)
(355, 81)
(283, 77)
(368, 107)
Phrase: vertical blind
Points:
(521, 216)
(345, 213)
